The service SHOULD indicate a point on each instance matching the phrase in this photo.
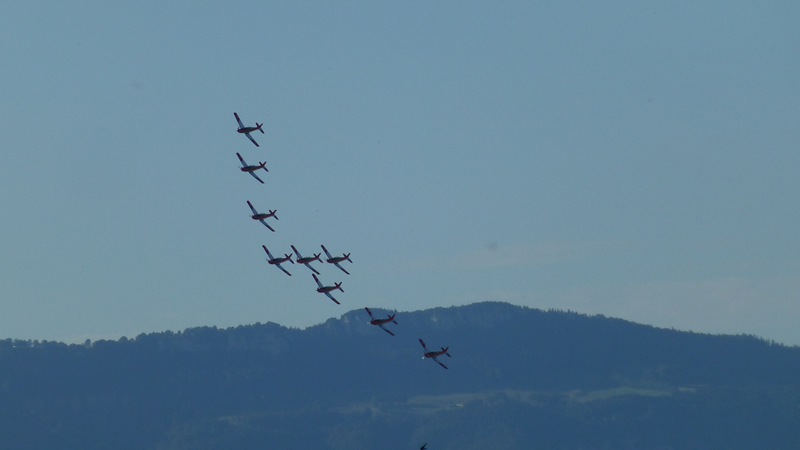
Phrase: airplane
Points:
(423, 446)
(261, 216)
(380, 322)
(251, 169)
(327, 289)
(307, 260)
(434, 355)
(277, 261)
(247, 130)
(336, 260)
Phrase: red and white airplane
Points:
(327, 289)
(247, 130)
(277, 261)
(251, 169)
(380, 322)
(261, 216)
(436, 354)
(307, 259)
(337, 259)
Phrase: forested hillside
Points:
(518, 378)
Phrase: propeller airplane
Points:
(307, 259)
(247, 130)
(327, 289)
(337, 259)
(250, 169)
(261, 216)
(434, 355)
(380, 322)
(278, 261)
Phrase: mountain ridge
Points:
(352, 380)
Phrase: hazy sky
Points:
(633, 159)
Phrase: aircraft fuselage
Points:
(435, 354)
(381, 321)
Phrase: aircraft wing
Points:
(385, 329)
(251, 207)
(251, 138)
(298, 254)
(241, 125)
(342, 268)
(334, 300)
(312, 269)
(317, 280)
(268, 253)
(440, 363)
(241, 160)
(264, 222)
(369, 312)
(284, 270)
(256, 177)
(423, 345)
(326, 252)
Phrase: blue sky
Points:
(631, 159)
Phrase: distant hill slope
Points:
(518, 378)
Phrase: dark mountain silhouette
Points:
(519, 378)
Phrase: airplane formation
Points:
(307, 260)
